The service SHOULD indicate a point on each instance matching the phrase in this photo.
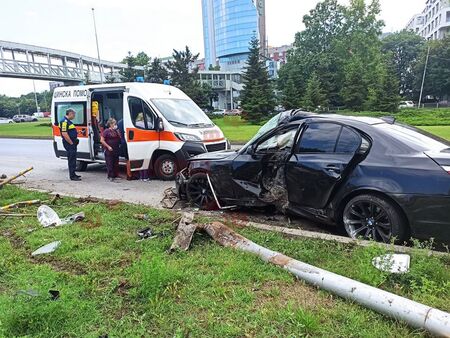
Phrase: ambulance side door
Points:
(141, 132)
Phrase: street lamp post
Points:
(98, 50)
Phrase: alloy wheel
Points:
(368, 220)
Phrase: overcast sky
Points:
(154, 26)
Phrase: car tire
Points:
(373, 217)
(166, 167)
(199, 193)
(81, 166)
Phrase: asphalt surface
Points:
(51, 174)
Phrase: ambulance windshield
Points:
(182, 112)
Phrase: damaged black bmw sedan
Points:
(379, 179)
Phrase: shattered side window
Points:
(278, 141)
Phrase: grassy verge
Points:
(236, 129)
(441, 131)
(40, 129)
(111, 284)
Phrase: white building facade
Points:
(434, 22)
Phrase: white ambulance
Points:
(162, 126)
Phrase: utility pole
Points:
(35, 98)
(423, 79)
(98, 50)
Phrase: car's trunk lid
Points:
(442, 158)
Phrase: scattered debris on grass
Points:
(185, 232)
(170, 198)
(393, 263)
(18, 205)
(48, 217)
(12, 178)
(46, 249)
(415, 314)
(146, 233)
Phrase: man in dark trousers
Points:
(70, 142)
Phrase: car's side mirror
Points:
(159, 124)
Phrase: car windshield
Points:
(182, 112)
(270, 125)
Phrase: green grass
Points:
(40, 129)
(236, 129)
(414, 117)
(111, 284)
(441, 131)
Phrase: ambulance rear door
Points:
(75, 99)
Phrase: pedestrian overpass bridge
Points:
(18, 60)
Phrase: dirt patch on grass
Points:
(282, 293)
(59, 265)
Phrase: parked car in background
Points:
(406, 104)
(38, 115)
(4, 120)
(219, 112)
(233, 112)
(24, 118)
(376, 178)
(47, 114)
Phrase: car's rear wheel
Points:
(373, 217)
(199, 192)
(166, 167)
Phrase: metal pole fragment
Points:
(415, 314)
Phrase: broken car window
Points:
(279, 141)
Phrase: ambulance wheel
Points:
(166, 167)
(81, 166)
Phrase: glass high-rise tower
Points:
(228, 26)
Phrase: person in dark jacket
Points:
(70, 142)
(111, 144)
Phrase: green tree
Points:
(354, 91)
(390, 99)
(404, 48)
(257, 97)
(184, 76)
(314, 97)
(290, 97)
(129, 74)
(437, 80)
(156, 72)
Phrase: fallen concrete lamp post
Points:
(20, 205)
(6, 181)
(415, 314)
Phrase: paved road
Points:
(50, 174)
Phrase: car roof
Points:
(293, 116)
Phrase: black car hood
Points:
(215, 156)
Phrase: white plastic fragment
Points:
(49, 248)
(393, 263)
(48, 217)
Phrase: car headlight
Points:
(187, 137)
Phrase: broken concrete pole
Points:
(2, 183)
(415, 314)
(20, 205)
(185, 231)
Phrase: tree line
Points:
(25, 104)
(341, 59)
(179, 71)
